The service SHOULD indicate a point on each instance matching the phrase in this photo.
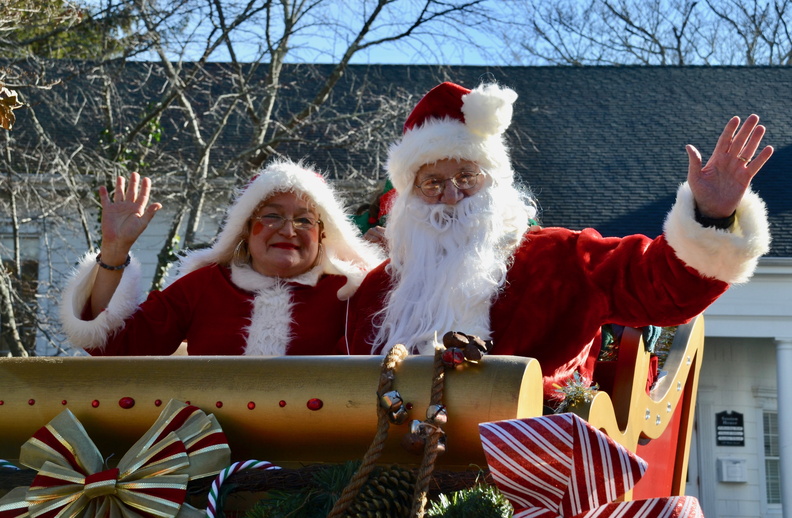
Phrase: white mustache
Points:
(442, 217)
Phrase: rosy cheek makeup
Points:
(256, 228)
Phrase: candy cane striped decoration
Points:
(211, 509)
(559, 466)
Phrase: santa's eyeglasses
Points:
(463, 181)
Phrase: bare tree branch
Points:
(655, 32)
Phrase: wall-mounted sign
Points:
(729, 429)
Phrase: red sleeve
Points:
(363, 307)
(641, 281)
(163, 320)
(564, 285)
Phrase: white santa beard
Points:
(447, 265)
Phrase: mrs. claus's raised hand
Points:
(127, 215)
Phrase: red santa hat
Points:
(345, 253)
(453, 122)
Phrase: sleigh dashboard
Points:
(295, 411)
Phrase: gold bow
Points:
(150, 480)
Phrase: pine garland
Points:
(315, 500)
(481, 501)
(575, 392)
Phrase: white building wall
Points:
(746, 331)
(737, 375)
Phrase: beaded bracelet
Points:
(112, 268)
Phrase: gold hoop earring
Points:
(238, 258)
(319, 256)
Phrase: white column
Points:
(784, 365)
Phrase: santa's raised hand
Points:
(719, 186)
(127, 215)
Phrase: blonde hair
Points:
(232, 256)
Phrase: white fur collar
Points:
(250, 280)
(270, 332)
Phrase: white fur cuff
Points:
(91, 334)
(727, 255)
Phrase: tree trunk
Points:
(7, 312)
(166, 255)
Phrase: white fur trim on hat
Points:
(345, 252)
(727, 255)
(487, 111)
(93, 334)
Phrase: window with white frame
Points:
(771, 458)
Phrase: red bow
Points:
(150, 480)
(560, 466)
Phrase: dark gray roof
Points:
(601, 147)
(604, 147)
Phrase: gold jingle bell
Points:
(437, 414)
(399, 416)
(391, 400)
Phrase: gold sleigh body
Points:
(297, 410)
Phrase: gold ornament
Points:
(8, 103)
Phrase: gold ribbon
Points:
(151, 479)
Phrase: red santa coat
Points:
(217, 310)
(562, 287)
(216, 317)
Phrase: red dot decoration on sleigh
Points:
(95, 403)
(281, 403)
(157, 402)
(126, 402)
(64, 402)
(31, 402)
(314, 404)
(219, 404)
(251, 405)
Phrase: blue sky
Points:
(445, 55)
(323, 37)
(428, 48)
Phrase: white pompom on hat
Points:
(451, 121)
(345, 252)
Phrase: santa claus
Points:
(463, 254)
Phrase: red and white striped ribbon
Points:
(560, 466)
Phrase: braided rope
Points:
(4, 464)
(397, 353)
(211, 508)
(430, 448)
